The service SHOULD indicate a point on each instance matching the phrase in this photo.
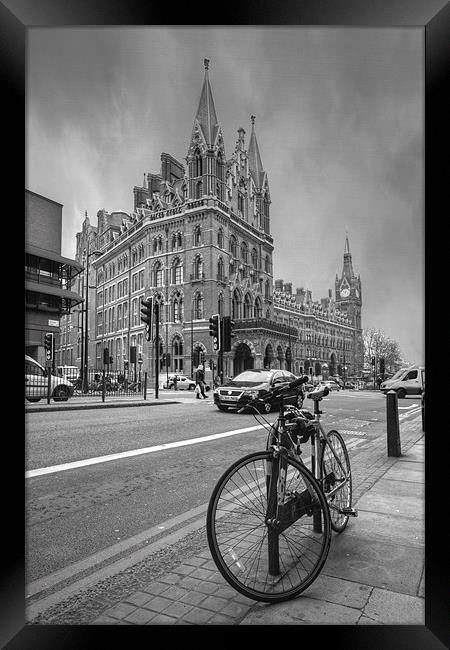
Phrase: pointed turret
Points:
(347, 269)
(206, 113)
(254, 158)
(206, 154)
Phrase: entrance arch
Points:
(268, 356)
(332, 365)
(243, 359)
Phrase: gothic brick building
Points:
(198, 240)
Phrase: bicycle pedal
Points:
(349, 512)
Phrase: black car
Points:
(256, 383)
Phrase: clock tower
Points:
(348, 289)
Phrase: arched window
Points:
(267, 264)
(244, 252)
(267, 289)
(198, 268)
(158, 275)
(198, 163)
(197, 236)
(220, 177)
(220, 238)
(198, 306)
(177, 354)
(177, 271)
(177, 307)
(233, 246)
(254, 258)
(220, 269)
(236, 305)
(248, 307)
(198, 190)
(258, 308)
(157, 244)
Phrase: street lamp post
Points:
(86, 328)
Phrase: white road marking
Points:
(135, 452)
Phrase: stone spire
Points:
(254, 158)
(347, 270)
(206, 112)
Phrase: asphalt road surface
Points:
(98, 480)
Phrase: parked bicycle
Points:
(270, 516)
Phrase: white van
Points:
(69, 372)
(406, 381)
(36, 383)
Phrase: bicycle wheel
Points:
(332, 473)
(263, 560)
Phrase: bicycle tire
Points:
(329, 468)
(238, 533)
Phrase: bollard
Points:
(145, 385)
(392, 425)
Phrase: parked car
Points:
(349, 384)
(257, 383)
(332, 385)
(36, 383)
(183, 382)
(407, 381)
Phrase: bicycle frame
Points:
(318, 440)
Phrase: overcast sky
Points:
(339, 122)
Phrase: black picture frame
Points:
(16, 17)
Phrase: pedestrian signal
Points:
(147, 316)
(215, 331)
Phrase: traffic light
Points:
(373, 361)
(49, 344)
(227, 333)
(147, 316)
(382, 366)
(215, 331)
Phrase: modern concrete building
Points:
(48, 275)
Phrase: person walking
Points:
(200, 379)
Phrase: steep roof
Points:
(206, 112)
(254, 158)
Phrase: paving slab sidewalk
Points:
(374, 573)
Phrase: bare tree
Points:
(377, 344)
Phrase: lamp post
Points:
(86, 307)
(192, 339)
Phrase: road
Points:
(103, 481)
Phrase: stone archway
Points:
(268, 356)
(243, 359)
(332, 366)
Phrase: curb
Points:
(103, 405)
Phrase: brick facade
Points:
(198, 240)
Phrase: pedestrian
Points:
(200, 382)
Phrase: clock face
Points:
(345, 293)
